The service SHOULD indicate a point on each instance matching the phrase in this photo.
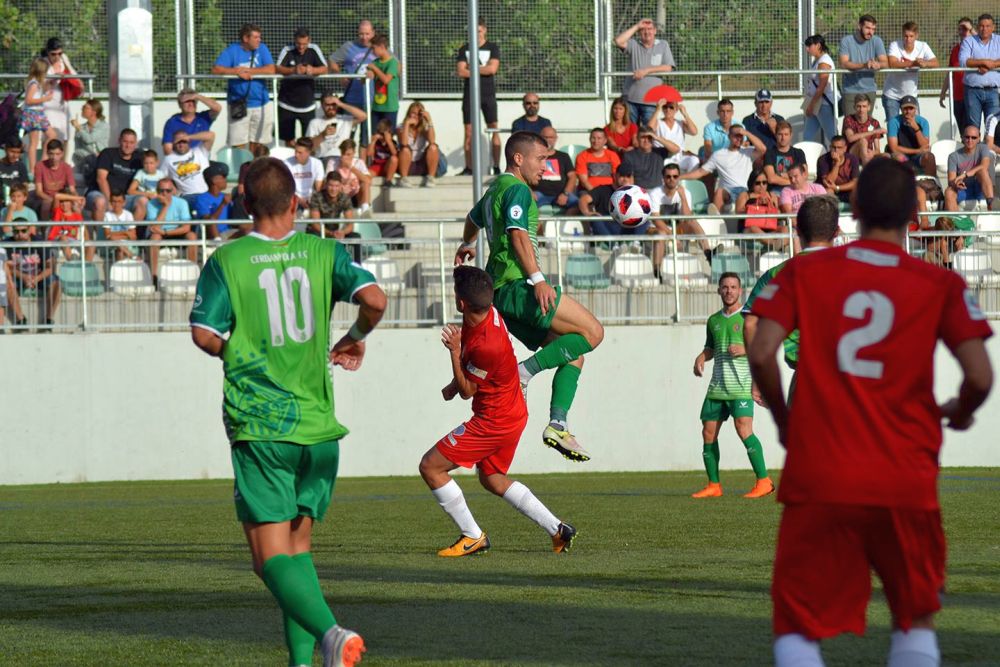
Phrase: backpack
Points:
(10, 119)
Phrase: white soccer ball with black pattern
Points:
(630, 206)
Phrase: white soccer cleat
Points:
(564, 443)
(342, 647)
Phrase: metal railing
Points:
(88, 78)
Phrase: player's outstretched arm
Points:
(349, 351)
(762, 356)
(207, 341)
(977, 380)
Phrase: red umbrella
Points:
(662, 92)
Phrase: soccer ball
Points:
(630, 206)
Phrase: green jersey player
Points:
(539, 315)
(728, 391)
(272, 293)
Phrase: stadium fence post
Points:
(82, 237)
(444, 286)
(677, 282)
(274, 110)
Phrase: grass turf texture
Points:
(157, 573)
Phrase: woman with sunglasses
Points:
(759, 200)
(965, 29)
(57, 109)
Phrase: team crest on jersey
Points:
(736, 327)
(516, 212)
(197, 301)
(971, 305)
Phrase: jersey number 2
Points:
(878, 327)
(285, 303)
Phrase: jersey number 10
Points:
(283, 301)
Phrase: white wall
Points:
(93, 407)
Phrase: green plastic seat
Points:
(369, 231)
(234, 158)
(697, 195)
(586, 272)
(78, 277)
(573, 150)
(726, 262)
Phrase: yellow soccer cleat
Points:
(712, 490)
(466, 546)
(564, 443)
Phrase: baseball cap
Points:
(625, 170)
(908, 101)
(763, 95)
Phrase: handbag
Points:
(71, 88)
(238, 108)
(767, 224)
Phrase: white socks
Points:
(916, 648)
(525, 502)
(796, 651)
(523, 374)
(452, 501)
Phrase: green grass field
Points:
(156, 573)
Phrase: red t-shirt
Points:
(860, 128)
(53, 180)
(622, 139)
(865, 428)
(488, 360)
(957, 78)
(598, 170)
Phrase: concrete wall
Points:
(92, 407)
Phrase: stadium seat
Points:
(847, 224)
(567, 228)
(78, 278)
(573, 150)
(713, 226)
(689, 270)
(729, 261)
(234, 158)
(769, 260)
(586, 272)
(179, 276)
(386, 273)
(130, 277)
(633, 270)
(281, 152)
(974, 265)
(697, 195)
(941, 150)
(369, 231)
(812, 150)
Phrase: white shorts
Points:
(257, 127)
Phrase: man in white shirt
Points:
(307, 171)
(336, 125)
(185, 166)
(733, 166)
(671, 199)
(911, 54)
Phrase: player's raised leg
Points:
(743, 419)
(434, 468)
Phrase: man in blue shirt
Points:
(716, 133)
(982, 52)
(530, 121)
(909, 137)
(195, 123)
(251, 118)
(862, 52)
(169, 218)
(353, 58)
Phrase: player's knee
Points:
(594, 333)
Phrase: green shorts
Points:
(713, 410)
(516, 302)
(279, 481)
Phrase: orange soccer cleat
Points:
(712, 490)
(763, 487)
(466, 546)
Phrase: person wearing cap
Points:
(644, 163)
(969, 177)
(908, 54)
(862, 52)
(761, 123)
(197, 124)
(982, 52)
(909, 137)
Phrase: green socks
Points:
(296, 588)
(301, 644)
(558, 353)
(756, 455)
(563, 392)
(710, 452)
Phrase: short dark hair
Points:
(817, 39)
(818, 219)
(481, 22)
(730, 274)
(268, 188)
(474, 287)
(838, 137)
(299, 33)
(347, 144)
(519, 142)
(380, 40)
(13, 142)
(867, 18)
(725, 101)
(782, 125)
(54, 145)
(334, 176)
(248, 28)
(304, 142)
(149, 152)
(117, 193)
(19, 187)
(886, 195)
(670, 166)
(128, 130)
(911, 25)
(985, 17)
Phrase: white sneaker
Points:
(341, 647)
(564, 443)
(430, 182)
(405, 182)
(712, 209)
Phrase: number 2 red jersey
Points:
(488, 360)
(864, 427)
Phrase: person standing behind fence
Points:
(647, 56)
(909, 53)
(982, 52)
(297, 97)
(385, 72)
(862, 52)
(820, 94)
(488, 60)
(251, 120)
(57, 109)
(353, 57)
(957, 78)
(34, 123)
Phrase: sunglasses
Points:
(20, 231)
(55, 53)
(531, 104)
(970, 137)
(760, 182)
(164, 190)
(670, 177)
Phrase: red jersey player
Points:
(864, 431)
(485, 369)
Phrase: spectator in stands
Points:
(170, 219)
(557, 186)
(671, 133)
(818, 109)
(307, 171)
(965, 29)
(595, 170)
(34, 268)
(670, 198)
(838, 170)
(54, 180)
(992, 135)
(488, 59)
(250, 116)
(910, 54)
(214, 205)
(909, 137)
(336, 125)
(90, 137)
(982, 52)
(530, 120)
(969, 172)
(143, 184)
(120, 227)
(331, 203)
(799, 190)
(385, 72)
(302, 60)
(353, 57)
(418, 149)
(37, 91)
(68, 234)
(646, 164)
(762, 122)
(716, 133)
(12, 169)
(56, 108)
(780, 158)
(733, 165)
(760, 200)
(647, 56)
(383, 155)
(863, 132)
(356, 179)
(17, 210)
(197, 124)
(862, 52)
(186, 166)
(620, 130)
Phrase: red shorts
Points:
(822, 569)
(475, 442)
(377, 167)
